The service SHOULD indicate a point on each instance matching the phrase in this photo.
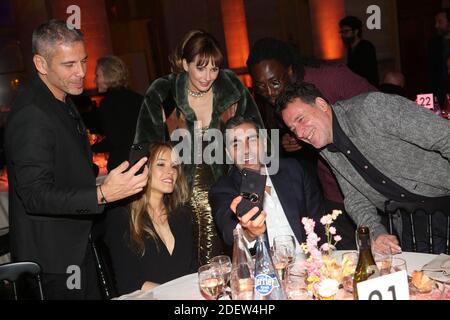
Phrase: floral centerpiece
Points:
(320, 264)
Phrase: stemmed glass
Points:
(210, 279)
(349, 262)
(281, 257)
(285, 244)
(225, 267)
(383, 260)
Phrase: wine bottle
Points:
(267, 283)
(366, 267)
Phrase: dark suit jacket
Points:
(52, 193)
(298, 192)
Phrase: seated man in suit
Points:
(290, 193)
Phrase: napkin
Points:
(438, 268)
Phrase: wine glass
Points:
(210, 280)
(280, 258)
(383, 261)
(398, 264)
(286, 243)
(349, 262)
(225, 266)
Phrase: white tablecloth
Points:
(186, 288)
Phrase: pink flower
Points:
(332, 230)
(337, 238)
(335, 214)
(312, 238)
(325, 247)
(326, 219)
(309, 225)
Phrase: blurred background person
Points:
(119, 109)
(393, 83)
(151, 241)
(438, 51)
(197, 96)
(361, 53)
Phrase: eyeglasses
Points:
(274, 84)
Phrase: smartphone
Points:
(252, 189)
(137, 152)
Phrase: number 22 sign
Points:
(425, 100)
(393, 286)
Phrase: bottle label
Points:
(264, 284)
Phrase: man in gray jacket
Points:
(380, 147)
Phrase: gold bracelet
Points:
(102, 199)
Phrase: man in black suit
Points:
(53, 197)
(290, 193)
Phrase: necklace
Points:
(197, 94)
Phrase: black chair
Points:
(410, 209)
(104, 273)
(11, 272)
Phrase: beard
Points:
(348, 41)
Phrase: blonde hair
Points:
(141, 224)
(114, 71)
(196, 43)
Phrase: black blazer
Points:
(52, 194)
(297, 191)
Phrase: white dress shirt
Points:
(276, 222)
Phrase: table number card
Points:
(425, 100)
(393, 286)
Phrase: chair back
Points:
(410, 209)
(13, 271)
(104, 274)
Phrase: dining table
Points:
(187, 287)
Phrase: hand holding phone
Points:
(137, 152)
(252, 191)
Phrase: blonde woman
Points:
(119, 109)
(151, 241)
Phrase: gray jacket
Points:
(407, 143)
